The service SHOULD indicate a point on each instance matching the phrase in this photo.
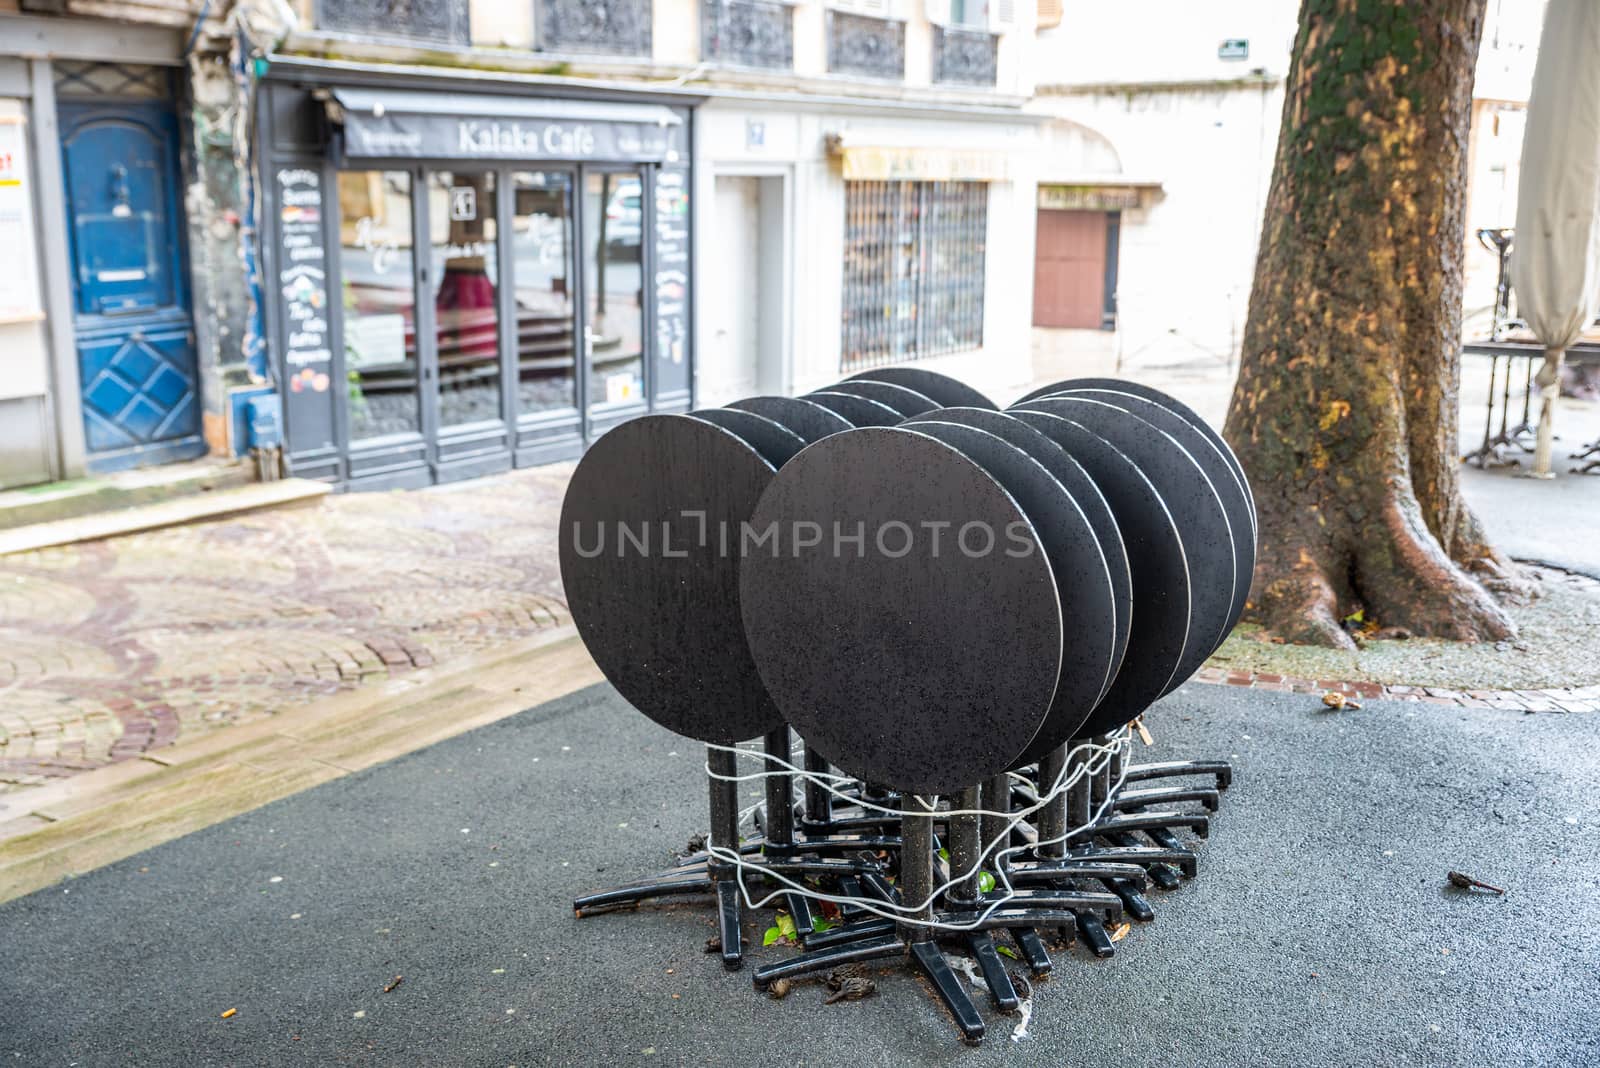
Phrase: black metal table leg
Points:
(1166, 769)
(1142, 820)
(1127, 800)
(728, 923)
(930, 959)
(831, 957)
(1001, 991)
(1031, 946)
(625, 896)
(725, 835)
(1160, 873)
(1133, 902)
(1095, 936)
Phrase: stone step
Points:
(75, 497)
(190, 508)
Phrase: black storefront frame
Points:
(436, 453)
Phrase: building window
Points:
(441, 21)
(604, 27)
(748, 33)
(913, 270)
(861, 45)
(964, 57)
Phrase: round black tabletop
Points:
(649, 537)
(776, 443)
(907, 402)
(921, 673)
(1083, 582)
(943, 390)
(1160, 624)
(1171, 403)
(1085, 494)
(860, 411)
(1241, 514)
(810, 420)
(1195, 506)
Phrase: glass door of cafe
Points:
(614, 271)
(490, 317)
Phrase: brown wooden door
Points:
(1069, 271)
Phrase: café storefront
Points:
(466, 278)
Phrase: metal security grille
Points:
(81, 78)
(913, 270)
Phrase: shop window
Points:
(859, 44)
(380, 303)
(541, 272)
(913, 270)
(613, 222)
(463, 251)
(440, 21)
(608, 27)
(748, 33)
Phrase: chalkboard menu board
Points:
(672, 282)
(303, 287)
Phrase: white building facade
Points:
(870, 205)
(859, 193)
(1165, 205)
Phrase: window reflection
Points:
(380, 304)
(613, 220)
(541, 249)
(463, 245)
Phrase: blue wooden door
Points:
(135, 337)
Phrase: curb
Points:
(1563, 699)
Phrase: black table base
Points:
(1080, 888)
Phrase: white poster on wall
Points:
(19, 283)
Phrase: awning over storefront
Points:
(388, 124)
(1099, 193)
(880, 163)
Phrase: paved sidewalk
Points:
(1319, 932)
(110, 649)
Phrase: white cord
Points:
(1098, 759)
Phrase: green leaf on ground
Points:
(1007, 951)
(772, 935)
(820, 924)
(985, 882)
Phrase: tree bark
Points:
(1345, 410)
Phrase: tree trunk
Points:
(1345, 410)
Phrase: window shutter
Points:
(878, 9)
(1002, 15)
(1050, 13)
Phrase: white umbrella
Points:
(1555, 258)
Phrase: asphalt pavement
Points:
(1320, 931)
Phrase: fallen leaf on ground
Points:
(851, 989)
(229, 1013)
(778, 989)
(1338, 701)
(1120, 932)
(396, 981)
(843, 974)
(1467, 882)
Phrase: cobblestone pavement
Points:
(112, 648)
